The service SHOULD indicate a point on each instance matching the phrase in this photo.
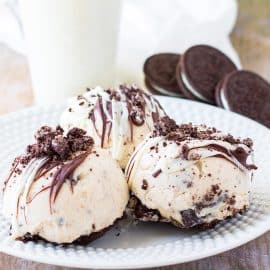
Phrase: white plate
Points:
(146, 245)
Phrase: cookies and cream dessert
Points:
(191, 176)
(118, 118)
(64, 189)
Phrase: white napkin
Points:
(148, 27)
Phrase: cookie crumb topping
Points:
(52, 143)
(167, 127)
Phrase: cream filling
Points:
(191, 88)
(164, 91)
(224, 101)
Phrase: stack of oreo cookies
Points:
(204, 73)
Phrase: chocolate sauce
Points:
(135, 106)
(103, 118)
(135, 100)
(157, 173)
(45, 168)
(109, 109)
(129, 170)
(106, 123)
(228, 159)
(64, 173)
(239, 154)
(36, 194)
(54, 149)
(92, 117)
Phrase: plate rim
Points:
(169, 262)
(261, 227)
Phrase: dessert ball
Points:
(118, 119)
(64, 189)
(191, 176)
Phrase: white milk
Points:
(71, 45)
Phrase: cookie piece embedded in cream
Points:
(117, 119)
(190, 175)
(61, 190)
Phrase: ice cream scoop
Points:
(118, 119)
(189, 175)
(62, 189)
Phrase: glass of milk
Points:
(71, 44)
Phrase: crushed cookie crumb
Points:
(144, 184)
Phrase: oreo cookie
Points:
(246, 93)
(153, 90)
(199, 71)
(159, 70)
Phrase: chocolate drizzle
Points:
(186, 133)
(103, 118)
(40, 191)
(167, 128)
(45, 168)
(136, 106)
(109, 109)
(65, 172)
(135, 100)
(106, 123)
(62, 174)
(241, 155)
(64, 152)
(238, 154)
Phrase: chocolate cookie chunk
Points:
(82, 240)
(138, 211)
(246, 93)
(199, 71)
(159, 70)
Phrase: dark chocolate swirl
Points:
(135, 101)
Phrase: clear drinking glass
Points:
(71, 44)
